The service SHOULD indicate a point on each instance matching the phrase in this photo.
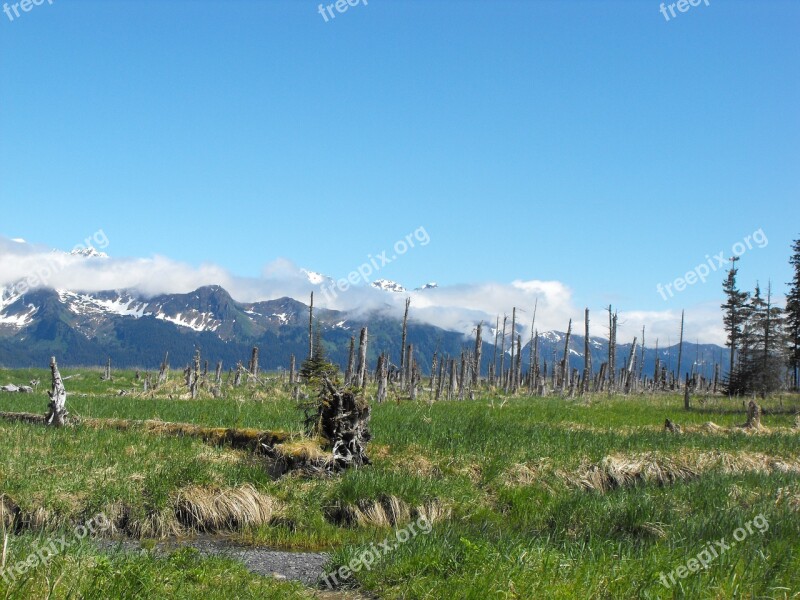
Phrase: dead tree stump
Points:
(341, 419)
(57, 411)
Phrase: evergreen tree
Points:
(317, 365)
(761, 363)
(735, 315)
(793, 315)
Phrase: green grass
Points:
(506, 539)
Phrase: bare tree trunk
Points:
(293, 369)
(237, 380)
(518, 368)
(587, 354)
(476, 371)
(254, 362)
(107, 371)
(348, 374)
(403, 346)
(612, 350)
(565, 372)
(503, 355)
(441, 378)
(511, 364)
(218, 373)
(433, 374)
(311, 327)
(629, 368)
(453, 386)
(531, 354)
(361, 377)
(164, 370)
(494, 358)
(195, 374)
(382, 378)
(57, 410)
(686, 396)
(680, 350)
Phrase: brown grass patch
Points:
(211, 509)
(651, 468)
(388, 511)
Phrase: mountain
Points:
(83, 328)
(388, 285)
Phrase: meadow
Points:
(527, 497)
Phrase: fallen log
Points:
(241, 439)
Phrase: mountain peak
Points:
(388, 285)
(89, 252)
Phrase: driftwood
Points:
(57, 411)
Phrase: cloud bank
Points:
(456, 307)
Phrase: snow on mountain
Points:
(316, 278)
(428, 286)
(88, 253)
(200, 322)
(18, 318)
(388, 286)
(122, 304)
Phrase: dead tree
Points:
(218, 373)
(311, 328)
(686, 395)
(382, 376)
(518, 369)
(164, 370)
(403, 346)
(511, 364)
(587, 355)
(453, 383)
(476, 371)
(629, 368)
(433, 373)
(565, 373)
(494, 358)
(680, 350)
(292, 370)
(341, 419)
(253, 367)
(612, 350)
(409, 359)
(348, 374)
(237, 379)
(107, 371)
(361, 377)
(503, 355)
(440, 378)
(57, 410)
(196, 374)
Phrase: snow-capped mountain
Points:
(88, 253)
(428, 286)
(388, 286)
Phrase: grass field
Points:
(527, 497)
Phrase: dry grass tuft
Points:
(789, 496)
(389, 511)
(212, 510)
(625, 471)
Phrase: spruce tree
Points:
(793, 315)
(735, 312)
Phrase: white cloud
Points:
(456, 307)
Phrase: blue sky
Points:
(592, 143)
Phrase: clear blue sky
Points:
(590, 142)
